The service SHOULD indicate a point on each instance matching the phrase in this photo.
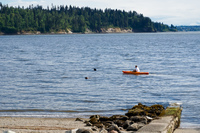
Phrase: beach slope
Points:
(39, 125)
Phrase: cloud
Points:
(26, 3)
(177, 12)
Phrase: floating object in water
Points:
(135, 73)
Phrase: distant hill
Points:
(188, 28)
(68, 19)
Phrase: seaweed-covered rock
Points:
(157, 109)
(119, 117)
(103, 118)
(120, 123)
(143, 110)
(135, 112)
(141, 119)
(95, 116)
(94, 120)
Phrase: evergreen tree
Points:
(62, 18)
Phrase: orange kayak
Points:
(136, 73)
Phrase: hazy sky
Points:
(176, 12)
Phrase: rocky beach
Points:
(103, 30)
(140, 118)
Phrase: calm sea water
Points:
(44, 75)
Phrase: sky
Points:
(176, 12)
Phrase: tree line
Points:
(188, 28)
(65, 18)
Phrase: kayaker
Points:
(136, 69)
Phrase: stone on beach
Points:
(133, 120)
(133, 127)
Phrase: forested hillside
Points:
(75, 19)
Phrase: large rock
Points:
(119, 123)
(119, 117)
(94, 120)
(143, 110)
(127, 123)
(99, 125)
(103, 118)
(85, 130)
(133, 127)
(141, 119)
(103, 130)
(113, 127)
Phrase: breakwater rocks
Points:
(135, 120)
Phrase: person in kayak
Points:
(136, 69)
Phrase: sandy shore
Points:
(38, 125)
(186, 130)
(51, 125)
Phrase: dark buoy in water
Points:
(95, 69)
(86, 77)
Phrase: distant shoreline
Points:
(59, 33)
(104, 31)
(107, 32)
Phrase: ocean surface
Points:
(44, 75)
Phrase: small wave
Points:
(64, 77)
(29, 64)
(48, 81)
(58, 111)
(21, 51)
(89, 101)
(129, 59)
(40, 71)
(37, 110)
(22, 59)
